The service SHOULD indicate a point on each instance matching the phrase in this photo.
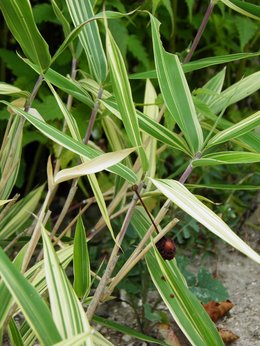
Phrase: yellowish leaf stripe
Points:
(123, 96)
(67, 312)
(236, 130)
(175, 91)
(185, 200)
(80, 11)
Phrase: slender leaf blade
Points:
(19, 18)
(80, 11)
(123, 96)
(239, 129)
(227, 158)
(81, 262)
(33, 307)
(185, 200)
(244, 8)
(175, 91)
(67, 311)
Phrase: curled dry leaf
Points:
(227, 336)
(218, 310)
(168, 334)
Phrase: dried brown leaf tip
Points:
(167, 248)
(227, 336)
(218, 310)
(168, 334)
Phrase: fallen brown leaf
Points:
(218, 310)
(227, 336)
(168, 334)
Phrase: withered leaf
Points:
(227, 336)
(218, 310)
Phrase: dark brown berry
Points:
(167, 248)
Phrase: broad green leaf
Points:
(19, 18)
(199, 64)
(19, 213)
(153, 128)
(126, 330)
(175, 91)
(81, 262)
(67, 312)
(80, 11)
(73, 145)
(8, 89)
(185, 200)
(227, 158)
(236, 130)
(32, 305)
(123, 96)
(95, 165)
(186, 310)
(244, 8)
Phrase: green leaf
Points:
(175, 91)
(14, 334)
(19, 18)
(73, 145)
(19, 213)
(185, 200)
(8, 89)
(239, 187)
(80, 11)
(125, 330)
(97, 338)
(153, 128)
(186, 310)
(67, 312)
(227, 158)
(244, 8)
(199, 64)
(246, 29)
(33, 307)
(123, 96)
(208, 288)
(236, 130)
(81, 262)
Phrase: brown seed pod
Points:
(167, 248)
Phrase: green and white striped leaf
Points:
(185, 200)
(227, 158)
(30, 302)
(19, 213)
(71, 144)
(186, 310)
(80, 11)
(239, 187)
(81, 261)
(199, 64)
(153, 128)
(235, 93)
(19, 18)
(123, 96)
(67, 312)
(96, 165)
(175, 91)
(8, 89)
(239, 129)
(244, 8)
(5, 201)
(98, 340)
(14, 334)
